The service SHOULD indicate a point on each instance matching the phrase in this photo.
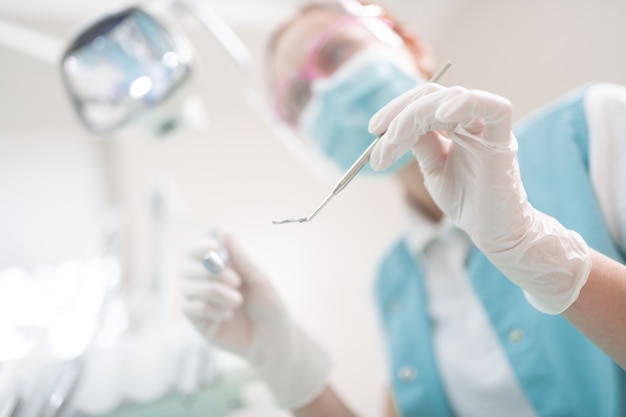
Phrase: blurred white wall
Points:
(235, 174)
(533, 51)
(54, 188)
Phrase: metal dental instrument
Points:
(215, 261)
(355, 168)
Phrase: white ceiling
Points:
(428, 15)
(59, 20)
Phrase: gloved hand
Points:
(240, 311)
(463, 142)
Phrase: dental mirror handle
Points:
(355, 168)
(365, 156)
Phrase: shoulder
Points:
(592, 103)
(593, 96)
(605, 97)
(393, 254)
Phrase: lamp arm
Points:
(211, 21)
(29, 42)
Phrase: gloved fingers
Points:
(251, 274)
(479, 112)
(193, 270)
(213, 293)
(379, 123)
(431, 151)
(412, 122)
(420, 116)
(385, 154)
(199, 311)
(208, 243)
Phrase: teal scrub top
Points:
(561, 372)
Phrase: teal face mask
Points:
(341, 106)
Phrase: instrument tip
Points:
(298, 220)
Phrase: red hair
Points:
(421, 52)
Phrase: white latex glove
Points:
(472, 173)
(240, 311)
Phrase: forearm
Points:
(327, 404)
(600, 310)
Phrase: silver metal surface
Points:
(213, 262)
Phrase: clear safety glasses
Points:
(330, 50)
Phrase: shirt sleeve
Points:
(605, 107)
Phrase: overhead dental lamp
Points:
(121, 68)
(127, 67)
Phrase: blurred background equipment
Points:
(70, 196)
(122, 67)
(78, 339)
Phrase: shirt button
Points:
(406, 373)
(394, 306)
(515, 335)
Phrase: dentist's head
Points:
(332, 66)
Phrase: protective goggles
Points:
(328, 52)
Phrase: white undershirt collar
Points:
(421, 230)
